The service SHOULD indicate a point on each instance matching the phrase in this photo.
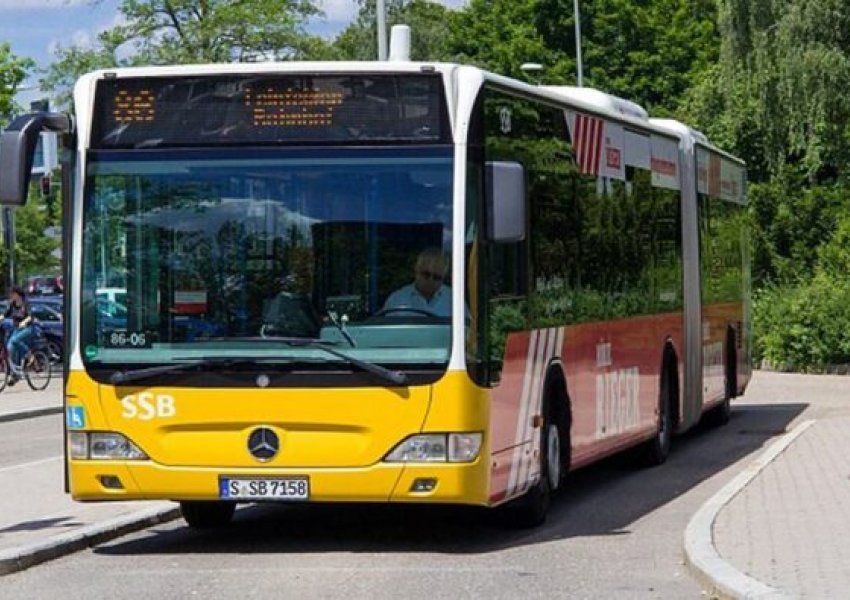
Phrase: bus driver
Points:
(427, 292)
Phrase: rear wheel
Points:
(207, 514)
(37, 369)
(657, 449)
(720, 414)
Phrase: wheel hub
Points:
(553, 456)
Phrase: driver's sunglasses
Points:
(430, 275)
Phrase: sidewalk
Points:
(38, 520)
(20, 402)
(784, 532)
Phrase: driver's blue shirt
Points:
(440, 303)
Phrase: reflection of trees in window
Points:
(598, 248)
(722, 231)
(606, 249)
(105, 230)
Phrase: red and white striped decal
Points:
(587, 143)
(543, 345)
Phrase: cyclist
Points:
(17, 331)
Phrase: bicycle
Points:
(35, 365)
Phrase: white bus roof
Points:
(607, 102)
(693, 135)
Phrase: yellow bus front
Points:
(263, 308)
(416, 443)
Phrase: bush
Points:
(805, 326)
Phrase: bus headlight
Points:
(437, 447)
(103, 446)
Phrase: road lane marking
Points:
(30, 464)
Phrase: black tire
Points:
(37, 370)
(54, 352)
(531, 509)
(657, 449)
(4, 374)
(720, 414)
(207, 514)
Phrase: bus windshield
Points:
(204, 253)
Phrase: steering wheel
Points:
(401, 309)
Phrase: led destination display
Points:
(268, 110)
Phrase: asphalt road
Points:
(30, 440)
(616, 531)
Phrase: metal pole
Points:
(382, 30)
(9, 239)
(578, 43)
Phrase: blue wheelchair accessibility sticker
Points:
(76, 417)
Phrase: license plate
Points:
(264, 488)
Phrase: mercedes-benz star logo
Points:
(263, 444)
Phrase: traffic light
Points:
(47, 195)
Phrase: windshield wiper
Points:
(184, 364)
(394, 377)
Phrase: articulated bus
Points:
(256, 217)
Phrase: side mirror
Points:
(17, 147)
(505, 201)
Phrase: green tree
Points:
(501, 35)
(33, 249)
(428, 22)
(13, 70)
(777, 96)
(650, 51)
(60, 76)
(192, 31)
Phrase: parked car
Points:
(54, 301)
(43, 284)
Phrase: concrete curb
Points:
(700, 554)
(28, 414)
(28, 555)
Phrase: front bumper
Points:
(456, 483)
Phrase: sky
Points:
(34, 28)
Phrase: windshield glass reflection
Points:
(209, 252)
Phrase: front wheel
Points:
(207, 514)
(530, 510)
(37, 370)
